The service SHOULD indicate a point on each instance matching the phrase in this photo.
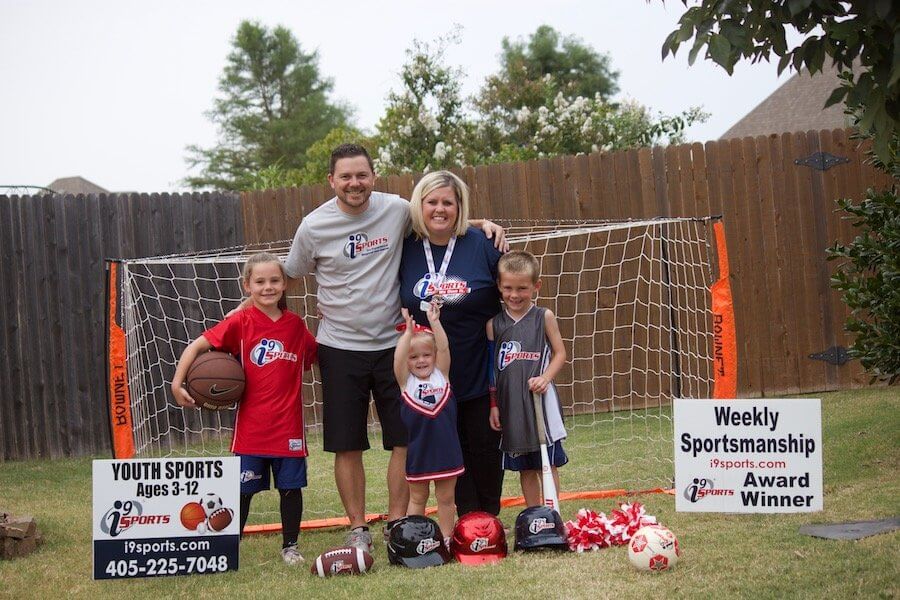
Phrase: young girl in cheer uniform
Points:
(421, 364)
(274, 347)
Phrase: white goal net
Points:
(633, 304)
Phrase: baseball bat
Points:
(551, 497)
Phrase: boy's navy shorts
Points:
(531, 461)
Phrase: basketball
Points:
(216, 380)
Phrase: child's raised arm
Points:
(442, 360)
(193, 350)
(540, 383)
(401, 353)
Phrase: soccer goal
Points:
(634, 301)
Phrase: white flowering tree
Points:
(428, 125)
(424, 127)
(579, 125)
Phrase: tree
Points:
(425, 126)
(315, 167)
(534, 72)
(869, 281)
(843, 30)
(273, 106)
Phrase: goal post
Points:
(637, 309)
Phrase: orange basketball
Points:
(215, 380)
(192, 514)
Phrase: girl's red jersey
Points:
(274, 355)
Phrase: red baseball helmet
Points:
(478, 538)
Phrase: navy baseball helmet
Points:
(540, 527)
(417, 542)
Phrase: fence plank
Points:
(673, 183)
(37, 352)
(56, 300)
(845, 186)
(744, 283)
(12, 440)
(701, 185)
(818, 211)
(88, 366)
(775, 361)
(799, 320)
(686, 171)
(813, 262)
(636, 208)
(648, 184)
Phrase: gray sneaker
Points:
(360, 538)
(291, 556)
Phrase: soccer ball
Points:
(211, 503)
(653, 548)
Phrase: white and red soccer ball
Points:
(653, 548)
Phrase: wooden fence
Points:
(779, 217)
(52, 298)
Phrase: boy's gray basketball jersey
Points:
(521, 352)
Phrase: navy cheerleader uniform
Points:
(429, 413)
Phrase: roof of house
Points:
(76, 185)
(795, 106)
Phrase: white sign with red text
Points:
(748, 456)
(165, 516)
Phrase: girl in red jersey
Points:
(274, 347)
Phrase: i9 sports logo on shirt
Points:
(359, 244)
(451, 288)
(512, 351)
(268, 350)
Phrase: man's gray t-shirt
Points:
(356, 262)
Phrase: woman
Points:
(444, 256)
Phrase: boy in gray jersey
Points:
(528, 353)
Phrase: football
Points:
(346, 560)
(211, 503)
(653, 548)
(220, 519)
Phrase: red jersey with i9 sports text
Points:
(274, 355)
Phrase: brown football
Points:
(346, 560)
(220, 519)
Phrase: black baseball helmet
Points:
(417, 542)
(540, 527)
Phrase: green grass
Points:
(760, 556)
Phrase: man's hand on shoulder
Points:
(496, 233)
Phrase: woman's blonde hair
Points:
(261, 258)
(431, 182)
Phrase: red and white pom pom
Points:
(592, 531)
(589, 532)
(628, 518)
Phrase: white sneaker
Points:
(361, 538)
(291, 556)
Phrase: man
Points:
(352, 245)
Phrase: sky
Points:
(114, 90)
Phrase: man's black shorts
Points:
(348, 379)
